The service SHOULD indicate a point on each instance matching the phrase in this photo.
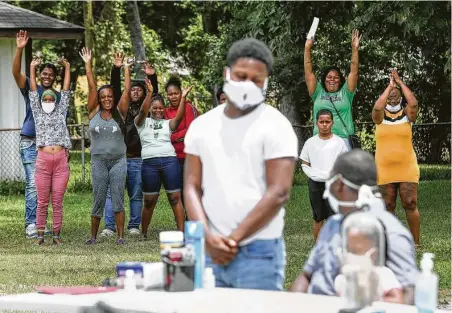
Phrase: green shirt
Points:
(342, 99)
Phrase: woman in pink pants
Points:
(53, 142)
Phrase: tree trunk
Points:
(89, 31)
(288, 108)
(133, 19)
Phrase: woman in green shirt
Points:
(333, 87)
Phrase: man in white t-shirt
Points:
(318, 156)
(239, 172)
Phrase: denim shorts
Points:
(154, 171)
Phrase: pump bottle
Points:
(426, 289)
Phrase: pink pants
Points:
(51, 176)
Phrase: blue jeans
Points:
(135, 196)
(258, 265)
(28, 155)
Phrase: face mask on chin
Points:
(365, 195)
(394, 108)
(48, 107)
(244, 94)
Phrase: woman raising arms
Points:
(108, 150)
(333, 92)
(397, 168)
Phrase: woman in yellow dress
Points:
(397, 167)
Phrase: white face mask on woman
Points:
(48, 107)
(365, 194)
(394, 108)
(244, 94)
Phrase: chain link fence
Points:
(432, 143)
(10, 159)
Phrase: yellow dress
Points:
(395, 157)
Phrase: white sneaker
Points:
(31, 232)
(107, 233)
(47, 232)
(134, 232)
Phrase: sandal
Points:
(56, 238)
(120, 241)
(40, 240)
(40, 237)
(91, 241)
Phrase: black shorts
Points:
(320, 207)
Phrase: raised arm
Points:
(144, 110)
(115, 76)
(21, 42)
(33, 65)
(67, 74)
(92, 89)
(149, 70)
(309, 76)
(378, 111)
(353, 76)
(123, 105)
(174, 123)
(412, 105)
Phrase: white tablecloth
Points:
(219, 300)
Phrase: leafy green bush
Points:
(10, 187)
(435, 172)
(428, 172)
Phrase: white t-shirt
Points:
(155, 137)
(386, 282)
(233, 154)
(321, 154)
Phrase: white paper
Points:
(313, 29)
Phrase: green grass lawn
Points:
(24, 265)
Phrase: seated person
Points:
(363, 242)
(350, 173)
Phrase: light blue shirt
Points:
(324, 265)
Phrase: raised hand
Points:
(309, 43)
(148, 69)
(35, 62)
(186, 91)
(149, 87)
(391, 81)
(21, 39)
(118, 59)
(129, 62)
(396, 77)
(63, 62)
(85, 54)
(356, 37)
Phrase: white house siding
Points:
(12, 113)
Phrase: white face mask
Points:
(395, 108)
(244, 94)
(365, 194)
(361, 260)
(48, 107)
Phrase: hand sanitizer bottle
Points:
(209, 278)
(426, 290)
(130, 283)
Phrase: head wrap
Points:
(49, 92)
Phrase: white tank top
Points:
(155, 136)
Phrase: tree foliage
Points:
(413, 37)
